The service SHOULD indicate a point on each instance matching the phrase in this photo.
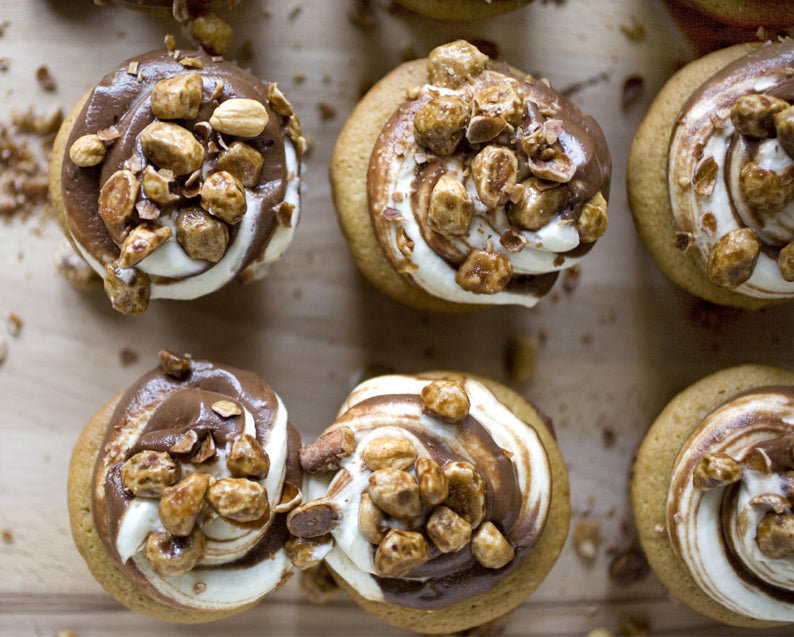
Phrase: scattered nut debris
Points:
(628, 567)
(7, 535)
(608, 437)
(361, 14)
(634, 627)
(599, 632)
(587, 537)
(570, 278)
(65, 632)
(520, 357)
(327, 111)
(127, 356)
(633, 90)
(45, 79)
(14, 322)
(634, 31)
(5, 64)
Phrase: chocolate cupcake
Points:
(461, 182)
(179, 488)
(178, 173)
(438, 502)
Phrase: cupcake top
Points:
(182, 174)
(424, 492)
(197, 466)
(729, 509)
(731, 175)
(486, 182)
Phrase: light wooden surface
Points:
(613, 349)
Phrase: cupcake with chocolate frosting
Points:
(177, 174)
(713, 496)
(438, 502)
(179, 489)
(461, 182)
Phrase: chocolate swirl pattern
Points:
(192, 482)
(486, 183)
(423, 492)
(181, 174)
(729, 509)
(731, 175)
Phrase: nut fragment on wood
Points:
(521, 353)
(586, 537)
(628, 567)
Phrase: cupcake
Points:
(178, 173)
(711, 176)
(460, 182)
(179, 488)
(745, 13)
(713, 489)
(438, 502)
(461, 9)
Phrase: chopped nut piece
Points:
(148, 473)
(14, 323)
(239, 499)
(521, 355)
(156, 186)
(185, 442)
(127, 288)
(433, 484)
(451, 209)
(490, 547)
(537, 204)
(291, 496)
(454, 64)
(173, 364)
(371, 520)
(206, 451)
(306, 552)
(754, 114)
(388, 452)
(171, 556)
(87, 150)
(201, 235)
(774, 501)
(396, 492)
(242, 161)
(314, 518)
(484, 272)
(706, 176)
(441, 123)
(466, 492)
(628, 567)
(247, 458)
(732, 259)
(766, 190)
(512, 240)
(785, 261)
(180, 504)
(586, 538)
(168, 145)
(240, 117)
(400, 552)
(446, 400)
(177, 97)
(447, 530)
(482, 130)
(495, 173)
(71, 266)
(716, 470)
(223, 196)
(500, 100)
(784, 127)
(212, 31)
(327, 452)
(284, 212)
(278, 101)
(44, 78)
(117, 201)
(775, 536)
(226, 408)
(141, 241)
(593, 221)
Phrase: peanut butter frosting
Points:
(731, 175)
(182, 175)
(192, 484)
(423, 492)
(486, 182)
(729, 509)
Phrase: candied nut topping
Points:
(500, 100)
(185, 442)
(240, 117)
(396, 492)
(715, 470)
(327, 452)
(169, 145)
(785, 261)
(226, 408)
(784, 128)
(127, 289)
(117, 202)
(446, 400)
(490, 547)
(291, 496)
(223, 196)
(776, 535)
(371, 520)
(592, 223)
(247, 458)
(484, 272)
(242, 161)
(455, 64)
(201, 235)
(400, 552)
(447, 530)
(466, 492)
(174, 365)
(177, 97)
(307, 552)
(441, 123)
(495, 173)
(537, 204)
(141, 241)
(389, 452)
(315, 518)
(451, 209)
(156, 185)
(171, 556)
(433, 483)
(238, 499)
(766, 190)
(87, 150)
(733, 258)
(147, 473)
(180, 504)
(754, 114)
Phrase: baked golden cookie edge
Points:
(461, 9)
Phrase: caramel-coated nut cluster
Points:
(716, 470)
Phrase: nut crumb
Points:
(587, 537)
(521, 355)
(608, 437)
(361, 15)
(5, 64)
(127, 356)
(628, 567)
(634, 627)
(45, 80)
(634, 31)
(327, 111)
(14, 324)
(633, 89)
(570, 278)
(7, 535)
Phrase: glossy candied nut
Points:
(446, 400)
(483, 129)
(441, 123)
(774, 501)
(766, 190)
(396, 492)
(495, 173)
(754, 114)
(223, 196)
(371, 520)
(185, 442)
(87, 150)
(177, 97)
(181, 503)
(784, 128)
(400, 552)
(205, 452)
(328, 451)
(537, 203)
(212, 31)
(147, 473)
(201, 235)
(314, 518)
(732, 259)
(291, 496)
(140, 242)
(785, 261)
(157, 184)
(238, 499)
(171, 556)
(433, 484)
(455, 64)
(127, 288)
(306, 552)
(775, 536)
(169, 145)
(116, 202)
(388, 452)
(500, 100)
(174, 365)
(278, 101)
(451, 208)
(447, 530)
(466, 491)
(484, 272)
(716, 470)
(593, 220)
(226, 408)
(240, 117)
(247, 458)
(242, 161)
(490, 547)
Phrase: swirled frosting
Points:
(729, 509)
(484, 184)
(178, 204)
(730, 175)
(189, 421)
(490, 440)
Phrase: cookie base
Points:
(461, 9)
